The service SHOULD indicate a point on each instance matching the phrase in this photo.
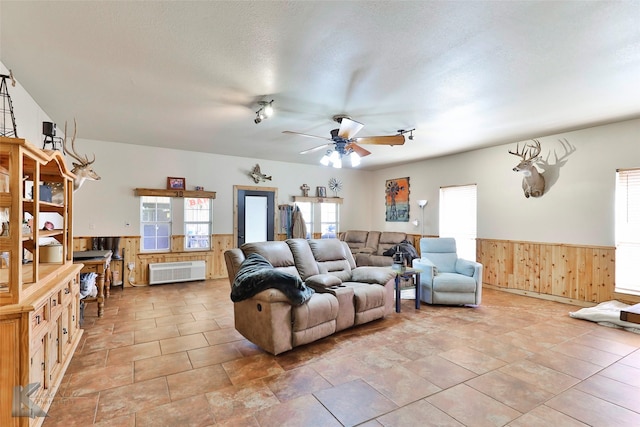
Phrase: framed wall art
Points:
(174, 183)
(397, 200)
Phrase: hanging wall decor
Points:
(397, 200)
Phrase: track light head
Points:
(264, 112)
(409, 131)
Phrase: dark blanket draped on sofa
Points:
(257, 274)
(407, 249)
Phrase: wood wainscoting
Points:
(582, 275)
(216, 267)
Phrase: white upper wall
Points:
(102, 208)
(578, 207)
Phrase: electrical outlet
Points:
(130, 266)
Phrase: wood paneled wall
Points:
(569, 272)
(214, 258)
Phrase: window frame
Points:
(208, 223)
(315, 221)
(143, 223)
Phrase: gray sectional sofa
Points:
(368, 246)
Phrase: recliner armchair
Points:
(445, 278)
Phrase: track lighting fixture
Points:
(265, 111)
(409, 131)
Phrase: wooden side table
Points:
(408, 274)
(96, 262)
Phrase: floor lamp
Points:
(422, 204)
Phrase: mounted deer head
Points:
(533, 181)
(82, 170)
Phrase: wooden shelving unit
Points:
(174, 193)
(337, 200)
(39, 302)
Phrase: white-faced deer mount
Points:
(82, 170)
(533, 181)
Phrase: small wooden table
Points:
(408, 273)
(96, 262)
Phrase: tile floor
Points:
(168, 355)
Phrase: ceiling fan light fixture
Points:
(325, 160)
(355, 159)
(334, 157)
(337, 163)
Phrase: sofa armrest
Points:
(321, 281)
(377, 275)
(271, 295)
(427, 270)
(466, 267)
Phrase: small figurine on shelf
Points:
(305, 190)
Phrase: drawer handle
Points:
(42, 365)
(64, 331)
(37, 319)
(54, 302)
(66, 291)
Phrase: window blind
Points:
(627, 230)
(458, 217)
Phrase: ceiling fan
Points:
(344, 143)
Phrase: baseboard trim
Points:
(547, 297)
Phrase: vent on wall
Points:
(171, 272)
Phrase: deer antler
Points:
(84, 160)
(529, 151)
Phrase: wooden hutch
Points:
(39, 301)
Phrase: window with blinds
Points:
(627, 231)
(458, 218)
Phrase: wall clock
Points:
(335, 185)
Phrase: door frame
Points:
(236, 190)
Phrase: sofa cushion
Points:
(333, 257)
(376, 275)
(355, 239)
(453, 282)
(389, 239)
(445, 262)
(257, 274)
(277, 253)
(303, 257)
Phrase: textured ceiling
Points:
(188, 75)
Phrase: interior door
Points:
(255, 214)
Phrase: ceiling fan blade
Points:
(381, 140)
(357, 149)
(319, 147)
(307, 135)
(348, 128)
